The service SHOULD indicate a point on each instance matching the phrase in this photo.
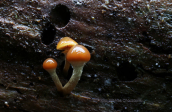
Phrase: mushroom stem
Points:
(73, 81)
(55, 78)
(66, 67)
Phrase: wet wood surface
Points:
(130, 45)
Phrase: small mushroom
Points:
(50, 66)
(65, 44)
(77, 56)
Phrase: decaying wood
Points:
(130, 44)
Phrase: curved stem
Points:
(66, 67)
(73, 81)
(56, 80)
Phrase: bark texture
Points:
(131, 54)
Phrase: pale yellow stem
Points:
(56, 80)
(73, 81)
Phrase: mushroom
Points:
(65, 44)
(50, 66)
(77, 56)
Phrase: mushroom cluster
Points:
(76, 55)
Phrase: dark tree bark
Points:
(130, 42)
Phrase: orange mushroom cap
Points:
(78, 53)
(65, 43)
(49, 63)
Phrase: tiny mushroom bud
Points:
(50, 66)
(65, 44)
(78, 56)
